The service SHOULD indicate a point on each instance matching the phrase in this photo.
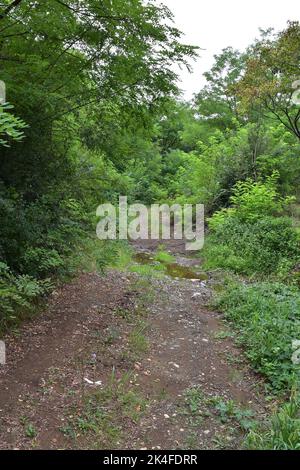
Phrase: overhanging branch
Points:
(8, 9)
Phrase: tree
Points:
(91, 51)
(272, 69)
(85, 56)
(89, 79)
(216, 102)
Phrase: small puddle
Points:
(173, 269)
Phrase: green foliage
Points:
(228, 410)
(10, 126)
(252, 200)
(267, 318)
(247, 238)
(17, 294)
(164, 257)
(30, 431)
(281, 432)
(90, 133)
(41, 261)
(195, 181)
(216, 101)
(269, 245)
(96, 132)
(272, 68)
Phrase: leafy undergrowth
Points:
(267, 317)
(22, 294)
(268, 246)
(225, 410)
(236, 420)
(252, 238)
(19, 296)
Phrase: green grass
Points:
(164, 257)
(138, 342)
(281, 431)
(148, 270)
(224, 334)
(93, 254)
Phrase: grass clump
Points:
(282, 430)
(164, 257)
(148, 270)
(138, 343)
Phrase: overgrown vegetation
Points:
(87, 86)
(281, 432)
(266, 315)
(198, 408)
(252, 236)
(94, 112)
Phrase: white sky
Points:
(216, 24)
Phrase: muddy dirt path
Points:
(128, 361)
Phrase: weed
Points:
(194, 399)
(191, 441)
(229, 411)
(164, 257)
(30, 431)
(137, 341)
(266, 315)
(223, 334)
(104, 413)
(112, 336)
(151, 270)
(282, 431)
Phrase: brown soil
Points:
(84, 333)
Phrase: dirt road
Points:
(127, 360)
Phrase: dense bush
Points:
(267, 317)
(266, 246)
(251, 201)
(248, 237)
(33, 232)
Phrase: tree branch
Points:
(10, 7)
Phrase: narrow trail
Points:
(124, 361)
